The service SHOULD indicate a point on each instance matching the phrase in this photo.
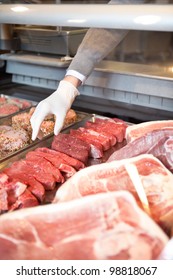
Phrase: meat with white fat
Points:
(155, 178)
(102, 227)
(135, 131)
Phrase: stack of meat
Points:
(42, 170)
(46, 169)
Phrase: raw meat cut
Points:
(56, 161)
(104, 141)
(72, 146)
(77, 164)
(25, 200)
(157, 143)
(15, 177)
(22, 171)
(102, 227)
(15, 194)
(163, 150)
(108, 126)
(96, 149)
(155, 178)
(42, 165)
(135, 131)
(95, 127)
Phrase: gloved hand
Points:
(58, 103)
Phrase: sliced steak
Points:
(96, 149)
(93, 126)
(107, 226)
(56, 161)
(77, 164)
(41, 164)
(104, 141)
(109, 127)
(22, 171)
(71, 146)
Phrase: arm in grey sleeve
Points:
(97, 44)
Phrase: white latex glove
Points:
(58, 103)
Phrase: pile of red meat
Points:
(25, 182)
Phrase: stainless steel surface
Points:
(7, 41)
(10, 157)
(49, 40)
(155, 70)
(44, 60)
(131, 17)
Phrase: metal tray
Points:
(12, 100)
(81, 118)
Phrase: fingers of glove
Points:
(36, 120)
(59, 123)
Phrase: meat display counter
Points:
(133, 196)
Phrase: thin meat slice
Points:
(77, 164)
(153, 176)
(96, 149)
(101, 227)
(135, 131)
